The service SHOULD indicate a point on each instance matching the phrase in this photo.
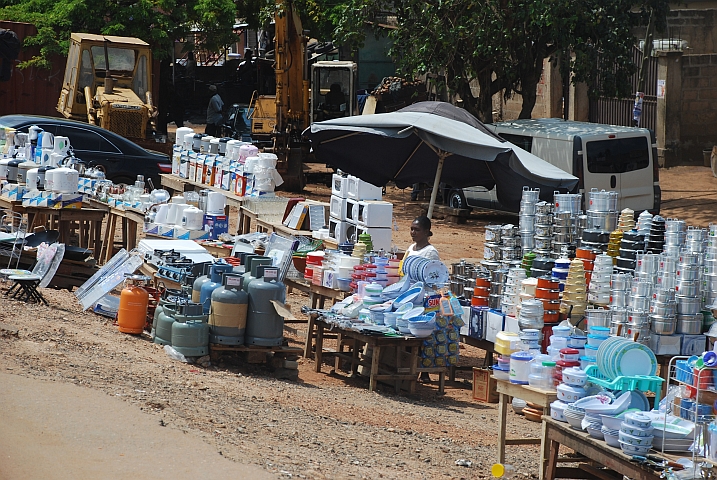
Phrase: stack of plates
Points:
(594, 425)
(618, 357)
(432, 272)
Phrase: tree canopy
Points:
(501, 44)
(158, 22)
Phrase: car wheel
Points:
(457, 200)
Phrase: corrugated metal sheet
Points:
(31, 90)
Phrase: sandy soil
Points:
(325, 425)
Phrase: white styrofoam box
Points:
(666, 344)
(337, 229)
(511, 324)
(351, 210)
(360, 190)
(493, 325)
(477, 324)
(329, 280)
(380, 237)
(340, 186)
(693, 344)
(373, 213)
(337, 207)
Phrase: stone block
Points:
(707, 93)
(689, 73)
(689, 95)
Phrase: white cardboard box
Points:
(511, 324)
(494, 324)
(693, 344)
(666, 344)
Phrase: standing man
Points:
(214, 113)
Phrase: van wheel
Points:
(457, 200)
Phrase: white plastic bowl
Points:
(634, 449)
(611, 440)
(633, 440)
(574, 376)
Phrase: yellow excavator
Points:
(304, 94)
(108, 82)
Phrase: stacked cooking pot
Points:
(631, 244)
(644, 223)
(531, 315)
(462, 280)
(527, 218)
(663, 311)
(638, 325)
(543, 266)
(502, 245)
(511, 291)
(602, 210)
(595, 239)
(675, 234)
(566, 211)
(688, 294)
(491, 247)
(656, 238)
(498, 278)
(543, 229)
(599, 285)
(547, 291)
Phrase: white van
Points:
(606, 157)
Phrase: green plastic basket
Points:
(644, 383)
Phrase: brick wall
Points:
(698, 27)
(698, 122)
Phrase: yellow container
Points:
(506, 343)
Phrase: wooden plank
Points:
(599, 473)
(522, 441)
(527, 393)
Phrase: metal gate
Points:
(618, 111)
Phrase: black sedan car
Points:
(121, 159)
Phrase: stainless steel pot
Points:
(663, 327)
(663, 309)
(688, 272)
(687, 289)
(664, 295)
(542, 230)
(491, 251)
(493, 233)
(689, 327)
(641, 289)
(688, 305)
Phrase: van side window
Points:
(620, 155)
(523, 141)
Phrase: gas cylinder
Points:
(165, 320)
(252, 265)
(169, 295)
(264, 326)
(227, 317)
(216, 272)
(132, 313)
(190, 332)
(197, 285)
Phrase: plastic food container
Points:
(586, 361)
(557, 411)
(560, 331)
(575, 377)
(596, 340)
(570, 354)
(576, 341)
(501, 373)
(637, 419)
(520, 367)
(344, 284)
(558, 342)
(570, 394)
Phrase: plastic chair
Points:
(26, 282)
(13, 227)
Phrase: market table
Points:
(558, 433)
(89, 221)
(11, 205)
(181, 185)
(317, 294)
(130, 220)
(396, 374)
(538, 396)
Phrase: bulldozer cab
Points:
(333, 90)
(115, 73)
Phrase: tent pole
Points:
(434, 193)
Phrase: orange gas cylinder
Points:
(134, 300)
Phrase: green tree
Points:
(158, 22)
(501, 44)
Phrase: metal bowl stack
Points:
(655, 240)
(688, 294)
(563, 236)
(543, 266)
(526, 219)
(491, 247)
(675, 234)
(631, 244)
(543, 229)
(510, 250)
(638, 324)
(497, 282)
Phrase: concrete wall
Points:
(697, 26)
(548, 103)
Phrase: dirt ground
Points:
(324, 425)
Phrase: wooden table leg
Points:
(355, 357)
(374, 368)
(413, 369)
(399, 352)
(552, 460)
(318, 354)
(309, 336)
(502, 417)
(340, 349)
(314, 299)
(442, 383)
(124, 233)
(97, 236)
(131, 235)
(321, 301)
(544, 452)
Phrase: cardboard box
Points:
(184, 234)
(511, 324)
(484, 386)
(215, 225)
(477, 323)
(494, 324)
(693, 344)
(666, 344)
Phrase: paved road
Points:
(59, 431)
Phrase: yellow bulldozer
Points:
(108, 82)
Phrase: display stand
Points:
(88, 222)
(396, 374)
(557, 433)
(537, 396)
(129, 220)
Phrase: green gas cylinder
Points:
(227, 316)
(190, 332)
(264, 326)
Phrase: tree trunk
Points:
(530, 96)
(485, 96)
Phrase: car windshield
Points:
(121, 59)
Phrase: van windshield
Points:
(618, 155)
